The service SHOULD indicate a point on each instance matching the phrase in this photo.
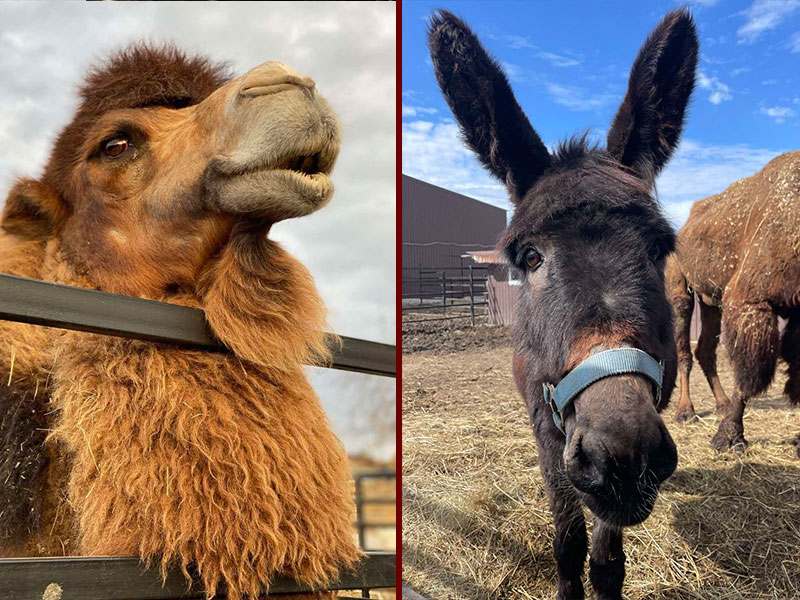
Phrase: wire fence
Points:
(438, 290)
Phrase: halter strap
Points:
(619, 361)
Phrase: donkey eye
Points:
(115, 146)
(654, 253)
(532, 258)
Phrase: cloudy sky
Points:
(349, 50)
(569, 62)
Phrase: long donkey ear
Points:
(478, 93)
(648, 124)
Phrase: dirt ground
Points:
(475, 519)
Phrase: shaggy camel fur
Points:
(739, 252)
(164, 186)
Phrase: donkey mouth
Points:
(623, 508)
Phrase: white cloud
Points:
(576, 98)
(515, 72)
(699, 170)
(413, 111)
(718, 91)
(762, 16)
(557, 60)
(794, 42)
(519, 42)
(740, 70)
(434, 152)
(350, 51)
(769, 82)
(778, 113)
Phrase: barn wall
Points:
(439, 226)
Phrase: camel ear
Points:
(262, 303)
(478, 93)
(650, 119)
(32, 210)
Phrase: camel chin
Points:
(274, 194)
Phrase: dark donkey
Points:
(591, 242)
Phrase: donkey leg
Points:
(570, 542)
(683, 304)
(706, 353)
(607, 561)
(751, 335)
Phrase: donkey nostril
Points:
(586, 466)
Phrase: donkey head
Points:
(591, 243)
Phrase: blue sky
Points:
(568, 63)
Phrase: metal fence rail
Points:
(45, 303)
(125, 578)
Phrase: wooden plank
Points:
(54, 305)
(124, 578)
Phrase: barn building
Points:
(444, 233)
(439, 226)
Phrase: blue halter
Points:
(619, 361)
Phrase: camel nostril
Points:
(269, 86)
(272, 78)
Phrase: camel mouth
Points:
(293, 186)
(305, 164)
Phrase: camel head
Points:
(168, 159)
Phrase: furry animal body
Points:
(739, 251)
(164, 186)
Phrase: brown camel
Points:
(739, 252)
(164, 186)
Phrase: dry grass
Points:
(475, 516)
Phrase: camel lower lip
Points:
(273, 194)
(317, 181)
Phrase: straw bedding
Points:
(475, 516)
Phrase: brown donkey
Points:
(593, 315)
(164, 186)
(739, 251)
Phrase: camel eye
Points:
(115, 147)
(533, 259)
